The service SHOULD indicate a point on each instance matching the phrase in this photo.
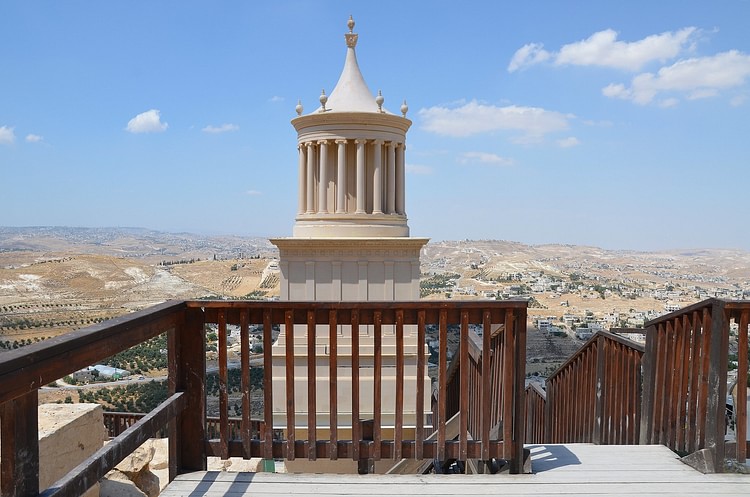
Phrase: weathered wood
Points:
(740, 406)
(312, 400)
(268, 380)
(333, 382)
(90, 471)
(717, 384)
(649, 375)
(377, 383)
(399, 428)
(519, 366)
(191, 379)
(464, 385)
(19, 446)
(34, 366)
(507, 382)
(290, 402)
(442, 382)
(223, 381)
(245, 382)
(356, 432)
(420, 381)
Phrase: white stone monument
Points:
(350, 243)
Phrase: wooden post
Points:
(190, 377)
(740, 407)
(600, 391)
(19, 451)
(519, 427)
(717, 384)
(647, 399)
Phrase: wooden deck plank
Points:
(573, 469)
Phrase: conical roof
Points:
(351, 93)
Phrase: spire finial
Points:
(298, 108)
(404, 108)
(351, 36)
(323, 99)
(379, 100)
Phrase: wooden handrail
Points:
(685, 378)
(595, 396)
(498, 357)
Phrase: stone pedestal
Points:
(68, 434)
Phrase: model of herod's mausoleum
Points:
(350, 243)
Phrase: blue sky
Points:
(623, 125)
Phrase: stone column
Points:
(341, 178)
(323, 185)
(310, 178)
(377, 180)
(302, 189)
(391, 176)
(360, 175)
(400, 179)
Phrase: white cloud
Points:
(605, 50)
(484, 158)
(528, 55)
(568, 142)
(220, 129)
(253, 193)
(147, 122)
(7, 136)
(276, 99)
(738, 100)
(418, 169)
(32, 138)
(474, 118)
(699, 77)
(669, 102)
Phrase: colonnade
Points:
(386, 176)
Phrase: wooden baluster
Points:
(268, 381)
(223, 394)
(442, 383)
(333, 383)
(399, 429)
(290, 407)
(519, 367)
(247, 431)
(419, 438)
(356, 432)
(377, 384)
(507, 384)
(486, 387)
(312, 409)
(464, 388)
(741, 404)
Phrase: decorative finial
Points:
(379, 100)
(351, 37)
(404, 108)
(323, 99)
(298, 108)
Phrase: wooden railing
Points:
(536, 418)
(117, 422)
(595, 396)
(486, 380)
(24, 371)
(685, 379)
